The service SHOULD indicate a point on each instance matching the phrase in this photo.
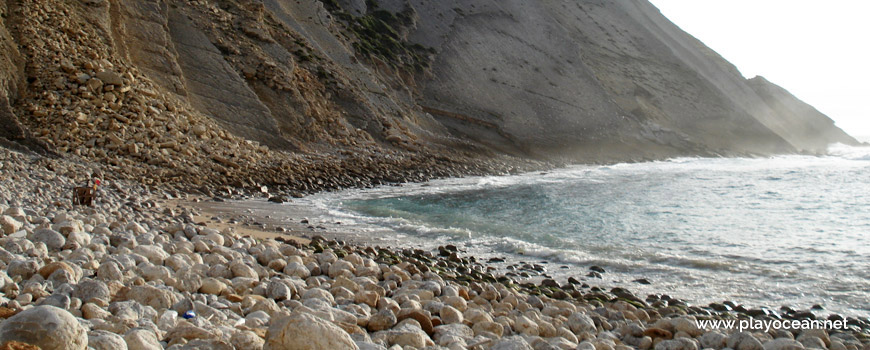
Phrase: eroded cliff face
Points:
(587, 78)
(314, 95)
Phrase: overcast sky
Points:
(818, 50)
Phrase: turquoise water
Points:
(788, 230)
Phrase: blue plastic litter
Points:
(189, 314)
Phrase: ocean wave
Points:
(849, 152)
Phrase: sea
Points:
(762, 232)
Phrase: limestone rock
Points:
(743, 341)
(240, 269)
(111, 78)
(295, 269)
(92, 311)
(212, 285)
(677, 344)
(818, 333)
(53, 240)
(48, 327)
(104, 340)
(450, 315)
(8, 225)
(687, 325)
(382, 320)
(247, 340)
(511, 343)
(713, 340)
(142, 339)
(23, 268)
(88, 289)
(153, 253)
(580, 322)
(783, 344)
(295, 332)
(199, 130)
(152, 296)
(278, 290)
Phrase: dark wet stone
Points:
(596, 268)
(573, 280)
(804, 315)
(755, 312)
(720, 307)
(278, 199)
(560, 295)
(817, 307)
(593, 274)
(698, 311)
(550, 283)
(642, 281)
(454, 258)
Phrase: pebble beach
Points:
(140, 270)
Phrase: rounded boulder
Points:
(47, 327)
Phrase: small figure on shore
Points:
(85, 195)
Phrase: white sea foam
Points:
(850, 152)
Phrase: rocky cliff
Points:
(323, 94)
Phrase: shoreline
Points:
(251, 290)
(524, 269)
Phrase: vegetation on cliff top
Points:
(378, 35)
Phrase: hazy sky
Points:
(818, 50)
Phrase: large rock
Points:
(105, 340)
(88, 290)
(278, 290)
(212, 285)
(783, 344)
(8, 225)
(511, 343)
(48, 327)
(450, 315)
(713, 340)
(142, 339)
(154, 254)
(743, 341)
(110, 78)
(246, 340)
(580, 322)
(382, 320)
(23, 268)
(155, 297)
(301, 331)
(53, 240)
(241, 269)
(405, 335)
(677, 344)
